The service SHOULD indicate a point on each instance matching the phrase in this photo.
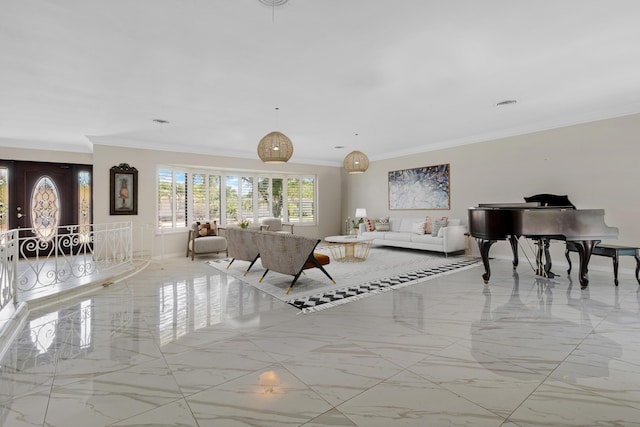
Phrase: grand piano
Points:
(542, 217)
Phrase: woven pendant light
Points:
(356, 162)
(275, 147)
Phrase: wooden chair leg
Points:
(188, 241)
(318, 265)
(293, 282)
(251, 265)
(265, 273)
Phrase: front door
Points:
(42, 197)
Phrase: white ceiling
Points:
(406, 75)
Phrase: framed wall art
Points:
(124, 190)
(420, 188)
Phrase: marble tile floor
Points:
(188, 346)
(50, 278)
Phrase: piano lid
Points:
(527, 205)
(552, 200)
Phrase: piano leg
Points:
(513, 240)
(566, 255)
(585, 248)
(484, 246)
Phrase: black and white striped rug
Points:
(351, 293)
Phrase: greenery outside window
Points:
(195, 195)
(172, 199)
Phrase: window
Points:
(45, 208)
(195, 195)
(264, 195)
(301, 200)
(308, 200)
(293, 199)
(232, 199)
(84, 206)
(277, 197)
(246, 195)
(199, 196)
(214, 198)
(4, 198)
(172, 199)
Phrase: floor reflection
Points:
(536, 338)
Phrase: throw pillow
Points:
(428, 223)
(370, 224)
(437, 225)
(418, 228)
(382, 224)
(203, 229)
(207, 229)
(213, 229)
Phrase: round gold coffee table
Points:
(348, 248)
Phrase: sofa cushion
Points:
(206, 229)
(437, 225)
(405, 225)
(418, 228)
(370, 224)
(321, 258)
(398, 237)
(427, 238)
(382, 224)
(428, 223)
(203, 230)
(209, 244)
(373, 235)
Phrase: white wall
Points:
(595, 164)
(146, 161)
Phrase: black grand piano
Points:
(542, 217)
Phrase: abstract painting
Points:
(420, 188)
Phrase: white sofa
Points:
(449, 239)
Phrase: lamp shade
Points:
(360, 213)
(356, 162)
(275, 147)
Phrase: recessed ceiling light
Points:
(274, 2)
(339, 146)
(161, 121)
(506, 102)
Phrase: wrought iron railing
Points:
(8, 267)
(70, 256)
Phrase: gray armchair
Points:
(287, 253)
(242, 244)
(276, 224)
(202, 238)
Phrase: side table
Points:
(349, 248)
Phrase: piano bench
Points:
(611, 251)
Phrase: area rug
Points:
(384, 270)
